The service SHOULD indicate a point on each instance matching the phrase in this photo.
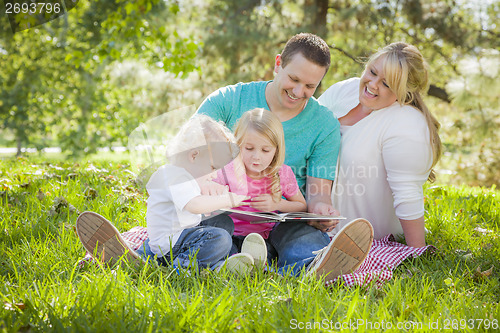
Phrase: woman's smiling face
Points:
(374, 93)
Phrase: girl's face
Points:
(257, 153)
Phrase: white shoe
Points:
(345, 253)
(240, 263)
(102, 240)
(255, 245)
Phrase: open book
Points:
(270, 217)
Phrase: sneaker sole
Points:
(240, 263)
(102, 240)
(347, 250)
(256, 247)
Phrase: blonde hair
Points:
(268, 125)
(407, 76)
(198, 131)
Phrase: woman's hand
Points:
(264, 203)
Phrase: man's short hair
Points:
(312, 47)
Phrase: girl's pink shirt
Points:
(254, 188)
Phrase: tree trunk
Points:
(438, 93)
(19, 142)
(315, 12)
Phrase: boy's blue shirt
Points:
(312, 138)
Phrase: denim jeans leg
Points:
(295, 243)
(208, 245)
(220, 221)
(225, 222)
(145, 251)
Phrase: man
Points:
(312, 139)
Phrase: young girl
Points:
(258, 172)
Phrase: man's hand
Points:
(318, 194)
(209, 187)
(322, 208)
(264, 203)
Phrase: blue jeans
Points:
(295, 242)
(206, 246)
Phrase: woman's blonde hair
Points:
(268, 125)
(407, 76)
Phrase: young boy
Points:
(175, 205)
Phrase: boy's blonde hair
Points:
(268, 125)
(197, 132)
(406, 74)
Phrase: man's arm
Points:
(318, 197)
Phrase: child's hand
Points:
(209, 187)
(236, 199)
(264, 203)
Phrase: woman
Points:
(389, 144)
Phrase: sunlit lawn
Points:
(43, 289)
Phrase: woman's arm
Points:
(414, 231)
(407, 158)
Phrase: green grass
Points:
(42, 288)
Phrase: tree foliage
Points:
(476, 92)
(89, 77)
(446, 31)
(55, 84)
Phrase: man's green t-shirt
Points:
(312, 138)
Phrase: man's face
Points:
(296, 82)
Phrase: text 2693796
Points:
(32, 8)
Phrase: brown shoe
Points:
(102, 240)
(345, 253)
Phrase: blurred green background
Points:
(86, 79)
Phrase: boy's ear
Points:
(193, 154)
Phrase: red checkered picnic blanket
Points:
(385, 255)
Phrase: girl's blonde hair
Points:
(407, 76)
(268, 125)
(198, 131)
